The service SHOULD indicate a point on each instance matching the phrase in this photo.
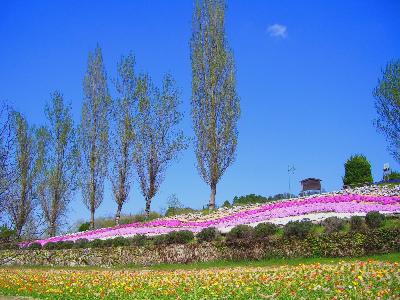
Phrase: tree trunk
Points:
(52, 229)
(92, 218)
(211, 205)
(147, 210)
(118, 214)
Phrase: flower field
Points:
(279, 212)
(343, 280)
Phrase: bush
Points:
(34, 246)
(159, 239)
(6, 234)
(249, 199)
(226, 204)
(333, 224)
(84, 227)
(207, 234)
(357, 224)
(297, 229)
(120, 241)
(357, 171)
(374, 219)
(49, 246)
(65, 245)
(9, 246)
(393, 175)
(173, 211)
(138, 240)
(142, 217)
(97, 243)
(81, 243)
(263, 230)
(240, 232)
(179, 237)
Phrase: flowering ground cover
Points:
(371, 279)
(345, 204)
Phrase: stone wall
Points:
(335, 245)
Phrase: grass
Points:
(220, 264)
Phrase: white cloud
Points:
(277, 30)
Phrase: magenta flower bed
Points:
(288, 208)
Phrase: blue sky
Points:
(305, 75)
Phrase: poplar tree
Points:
(122, 137)
(215, 103)
(387, 103)
(6, 143)
(58, 177)
(28, 156)
(158, 141)
(94, 133)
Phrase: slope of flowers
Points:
(358, 280)
(280, 212)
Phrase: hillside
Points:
(343, 204)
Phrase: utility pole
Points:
(290, 170)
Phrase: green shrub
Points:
(107, 243)
(9, 246)
(226, 204)
(207, 234)
(142, 217)
(138, 240)
(174, 211)
(357, 171)
(159, 239)
(65, 245)
(263, 230)
(393, 175)
(6, 234)
(357, 224)
(255, 199)
(333, 224)
(240, 232)
(81, 243)
(179, 237)
(84, 227)
(374, 219)
(49, 246)
(120, 241)
(297, 229)
(249, 199)
(34, 246)
(97, 243)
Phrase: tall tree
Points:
(94, 132)
(387, 103)
(28, 163)
(122, 137)
(58, 180)
(6, 143)
(215, 103)
(157, 139)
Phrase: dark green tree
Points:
(215, 103)
(94, 133)
(357, 171)
(387, 103)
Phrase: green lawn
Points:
(276, 262)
